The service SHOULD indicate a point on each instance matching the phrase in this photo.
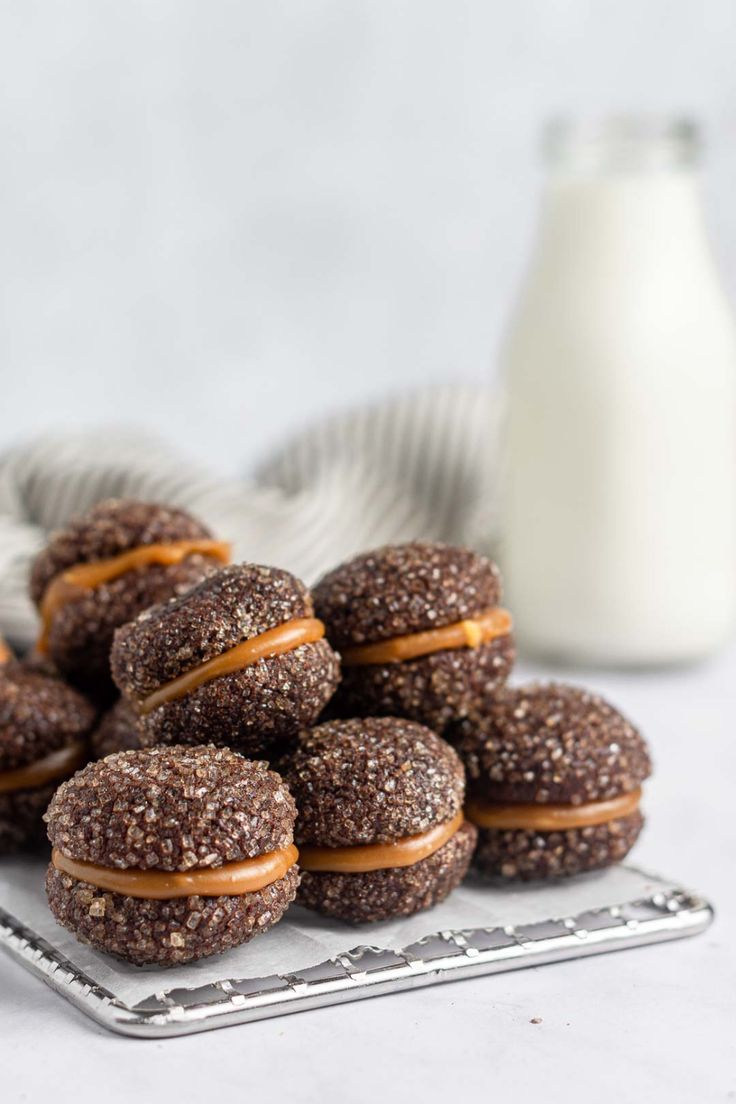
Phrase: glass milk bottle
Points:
(619, 488)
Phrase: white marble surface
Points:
(653, 1024)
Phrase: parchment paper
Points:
(304, 939)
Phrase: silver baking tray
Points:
(365, 971)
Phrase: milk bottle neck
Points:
(624, 189)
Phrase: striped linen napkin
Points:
(422, 465)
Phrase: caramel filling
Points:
(59, 764)
(230, 880)
(551, 818)
(461, 634)
(273, 642)
(86, 576)
(379, 856)
(5, 653)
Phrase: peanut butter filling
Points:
(470, 633)
(551, 818)
(59, 764)
(230, 880)
(87, 576)
(379, 856)
(273, 642)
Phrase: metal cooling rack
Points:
(363, 971)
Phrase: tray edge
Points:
(674, 914)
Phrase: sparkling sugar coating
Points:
(529, 855)
(404, 588)
(113, 526)
(434, 690)
(550, 742)
(171, 809)
(230, 606)
(255, 710)
(38, 714)
(371, 781)
(81, 633)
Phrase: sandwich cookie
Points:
(166, 855)
(419, 630)
(102, 569)
(380, 826)
(44, 726)
(238, 661)
(554, 776)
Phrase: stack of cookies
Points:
(254, 743)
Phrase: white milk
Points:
(619, 504)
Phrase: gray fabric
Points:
(418, 466)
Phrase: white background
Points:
(221, 218)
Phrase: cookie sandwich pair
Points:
(104, 568)
(166, 855)
(380, 825)
(420, 630)
(240, 660)
(554, 782)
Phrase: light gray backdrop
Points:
(219, 218)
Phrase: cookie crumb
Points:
(536, 1020)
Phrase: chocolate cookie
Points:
(380, 828)
(166, 855)
(118, 730)
(419, 630)
(44, 727)
(239, 661)
(554, 776)
(103, 569)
